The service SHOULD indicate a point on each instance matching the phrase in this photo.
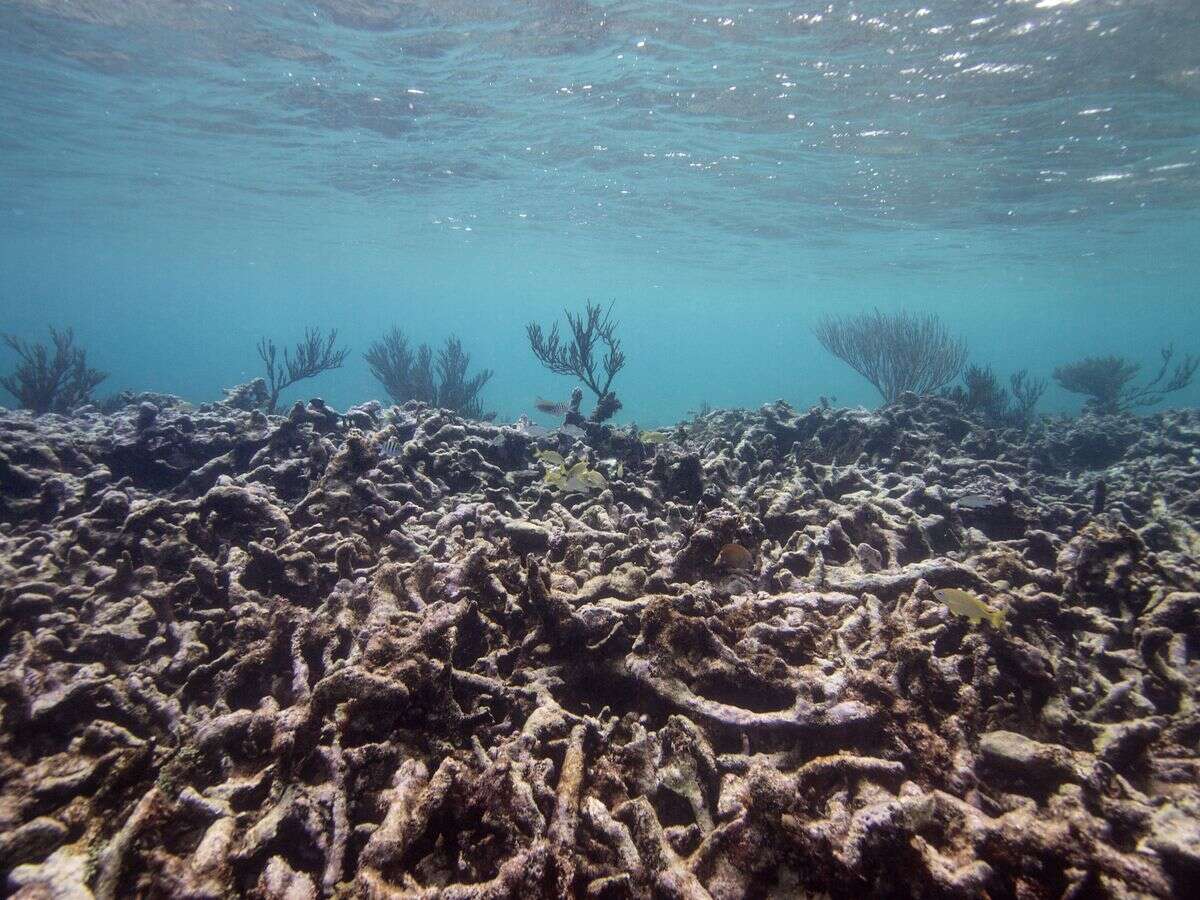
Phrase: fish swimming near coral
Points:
(654, 437)
(572, 431)
(734, 556)
(551, 408)
(524, 426)
(390, 448)
(556, 476)
(550, 457)
(578, 478)
(964, 603)
(977, 501)
(592, 481)
(616, 466)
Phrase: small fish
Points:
(550, 458)
(390, 448)
(654, 437)
(578, 478)
(572, 431)
(550, 408)
(964, 603)
(593, 480)
(734, 556)
(524, 426)
(977, 501)
(615, 466)
(559, 476)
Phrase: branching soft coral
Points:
(44, 383)
(1105, 381)
(455, 391)
(315, 354)
(579, 358)
(895, 352)
(983, 396)
(406, 375)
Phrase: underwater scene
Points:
(482, 449)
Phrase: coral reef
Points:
(578, 359)
(44, 383)
(897, 352)
(406, 375)
(243, 655)
(248, 396)
(118, 401)
(1105, 381)
(317, 353)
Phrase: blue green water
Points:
(177, 179)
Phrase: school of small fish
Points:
(578, 477)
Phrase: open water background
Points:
(177, 179)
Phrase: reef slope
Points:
(259, 656)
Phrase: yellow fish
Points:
(577, 478)
(734, 556)
(550, 458)
(654, 437)
(593, 479)
(964, 603)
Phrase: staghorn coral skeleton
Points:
(264, 659)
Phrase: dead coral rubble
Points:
(253, 655)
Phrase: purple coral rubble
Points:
(251, 655)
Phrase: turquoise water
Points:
(179, 179)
